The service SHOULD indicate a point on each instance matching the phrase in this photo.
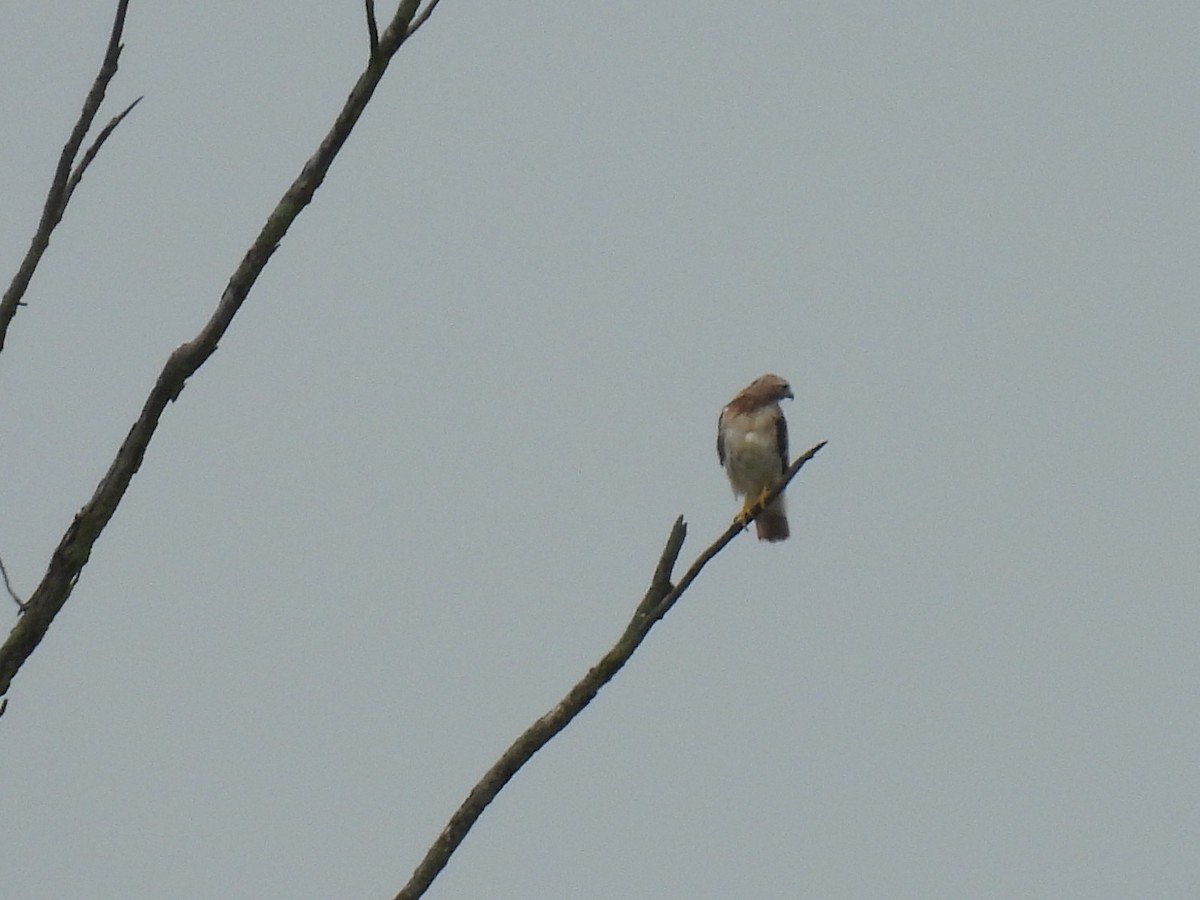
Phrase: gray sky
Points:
(422, 484)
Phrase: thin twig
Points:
(63, 184)
(8, 587)
(90, 154)
(73, 550)
(659, 598)
(372, 28)
(420, 18)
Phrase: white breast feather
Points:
(751, 452)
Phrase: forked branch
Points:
(658, 600)
(73, 550)
(67, 174)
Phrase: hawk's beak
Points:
(787, 393)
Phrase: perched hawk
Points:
(752, 444)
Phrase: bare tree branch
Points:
(73, 550)
(732, 531)
(422, 17)
(8, 587)
(64, 182)
(76, 545)
(659, 599)
(372, 28)
(77, 174)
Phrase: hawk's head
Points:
(770, 388)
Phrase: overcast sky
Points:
(422, 484)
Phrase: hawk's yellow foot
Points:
(743, 517)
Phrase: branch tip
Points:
(90, 154)
(8, 587)
(666, 562)
(372, 28)
(660, 582)
(422, 17)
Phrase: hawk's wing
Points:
(721, 437)
(781, 437)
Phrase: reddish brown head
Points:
(761, 391)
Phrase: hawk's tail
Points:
(772, 524)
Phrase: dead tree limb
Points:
(67, 174)
(659, 598)
(73, 550)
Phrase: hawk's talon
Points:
(748, 506)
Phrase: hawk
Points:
(752, 444)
